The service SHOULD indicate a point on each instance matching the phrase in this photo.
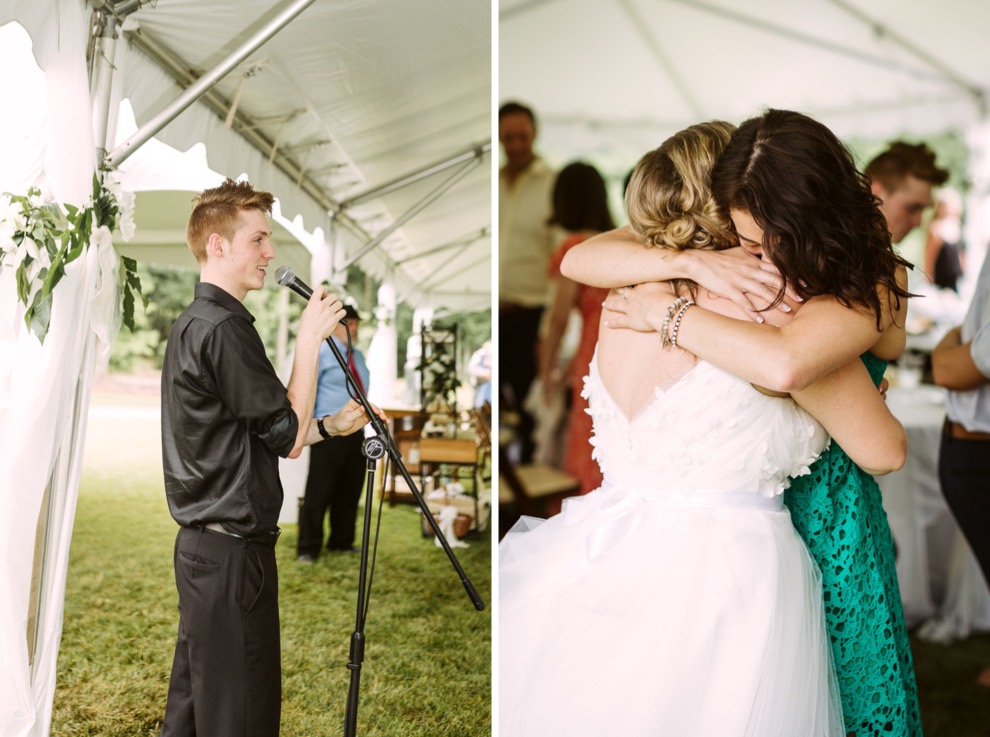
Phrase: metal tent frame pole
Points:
(416, 209)
(950, 75)
(437, 278)
(101, 82)
(465, 241)
(470, 154)
(245, 126)
(208, 80)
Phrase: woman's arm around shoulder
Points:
(618, 258)
(821, 337)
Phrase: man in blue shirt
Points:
(336, 466)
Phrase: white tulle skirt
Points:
(635, 617)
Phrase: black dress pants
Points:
(336, 476)
(518, 329)
(227, 673)
(964, 472)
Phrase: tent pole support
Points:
(102, 81)
(947, 73)
(414, 210)
(244, 126)
(204, 83)
(466, 241)
(427, 286)
(415, 176)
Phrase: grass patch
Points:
(427, 667)
(952, 703)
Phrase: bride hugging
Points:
(678, 599)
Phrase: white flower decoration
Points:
(35, 231)
(101, 238)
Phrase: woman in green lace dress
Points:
(802, 199)
(838, 512)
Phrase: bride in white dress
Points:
(677, 599)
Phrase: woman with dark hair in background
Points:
(580, 207)
(799, 205)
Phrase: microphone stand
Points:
(373, 448)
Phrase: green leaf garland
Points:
(40, 239)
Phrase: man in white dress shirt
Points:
(961, 363)
(525, 244)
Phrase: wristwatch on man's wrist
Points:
(321, 428)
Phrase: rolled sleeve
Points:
(979, 350)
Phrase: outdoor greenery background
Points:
(170, 290)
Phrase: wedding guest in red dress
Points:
(580, 207)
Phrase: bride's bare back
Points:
(633, 365)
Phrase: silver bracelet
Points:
(677, 322)
(664, 334)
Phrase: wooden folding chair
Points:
(406, 431)
(527, 489)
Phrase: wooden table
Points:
(458, 452)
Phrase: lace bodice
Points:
(710, 431)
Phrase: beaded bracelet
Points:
(677, 322)
(664, 334)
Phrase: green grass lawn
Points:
(427, 667)
(952, 703)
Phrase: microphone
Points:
(287, 278)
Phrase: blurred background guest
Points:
(524, 246)
(903, 177)
(580, 207)
(337, 465)
(480, 371)
(961, 364)
(943, 246)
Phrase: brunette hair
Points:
(580, 201)
(902, 160)
(821, 224)
(217, 211)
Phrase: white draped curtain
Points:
(44, 389)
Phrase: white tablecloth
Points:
(941, 583)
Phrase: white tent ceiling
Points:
(347, 97)
(610, 79)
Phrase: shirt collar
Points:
(205, 290)
(535, 167)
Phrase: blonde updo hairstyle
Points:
(669, 198)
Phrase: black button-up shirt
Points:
(226, 418)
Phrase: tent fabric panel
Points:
(377, 90)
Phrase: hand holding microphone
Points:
(323, 313)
